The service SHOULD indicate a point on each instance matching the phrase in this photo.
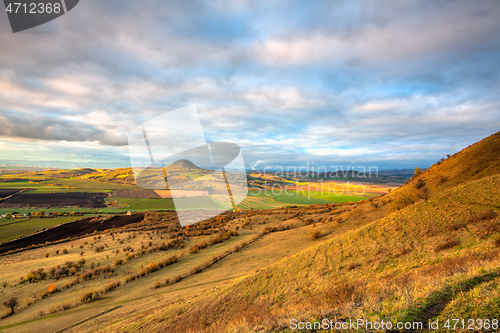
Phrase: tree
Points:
(11, 303)
(418, 171)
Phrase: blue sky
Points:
(372, 83)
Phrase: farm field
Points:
(77, 228)
(257, 200)
(5, 192)
(80, 199)
(250, 202)
(289, 197)
(133, 198)
(140, 204)
(335, 197)
(149, 194)
(107, 210)
(90, 184)
(20, 184)
(13, 228)
(35, 187)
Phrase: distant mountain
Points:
(87, 170)
(183, 166)
(400, 173)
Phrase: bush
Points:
(111, 286)
(81, 262)
(118, 262)
(196, 270)
(424, 193)
(53, 288)
(482, 216)
(402, 201)
(351, 266)
(65, 251)
(308, 221)
(446, 245)
(455, 226)
(315, 234)
(89, 296)
(419, 184)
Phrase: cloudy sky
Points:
(392, 84)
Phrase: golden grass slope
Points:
(472, 163)
(396, 268)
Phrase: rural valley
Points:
(94, 252)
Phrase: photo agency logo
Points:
(169, 154)
(25, 15)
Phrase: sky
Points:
(387, 84)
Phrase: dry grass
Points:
(288, 285)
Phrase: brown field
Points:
(5, 192)
(147, 194)
(85, 200)
(70, 230)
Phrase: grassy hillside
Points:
(474, 162)
(401, 267)
(396, 268)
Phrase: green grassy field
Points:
(259, 200)
(290, 197)
(13, 228)
(138, 204)
(23, 184)
(44, 187)
(89, 184)
(337, 197)
(56, 189)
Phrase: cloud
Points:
(287, 81)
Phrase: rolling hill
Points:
(474, 162)
(183, 166)
(417, 263)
